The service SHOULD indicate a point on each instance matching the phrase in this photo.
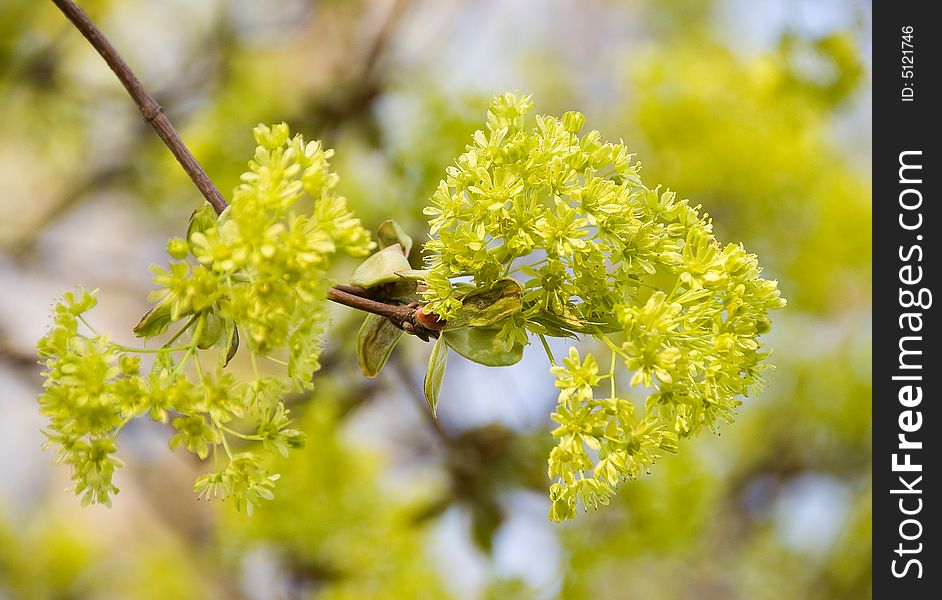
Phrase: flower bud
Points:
(573, 121)
(178, 248)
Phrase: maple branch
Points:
(402, 316)
(152, 112)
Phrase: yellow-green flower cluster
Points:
(567, 202)
(599, 253)
(263, 264)
(90, 393)
(624, 444)
(260, 269)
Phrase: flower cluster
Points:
(259, 269)
(262, 266)
(536, 230)
(624, 443)
(600, 254)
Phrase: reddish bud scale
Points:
(428, 320)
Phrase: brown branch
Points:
(404, 317)
(352, 289)
(150, 109)
(396, 313)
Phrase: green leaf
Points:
(382, 267)
(390, 233)
(202, 219)
(540, 327)
(435, 373)
(212, 330)
(566, 325)
(155, 321)
(481, 345)
(375, 342)
(483, 307)
(413, 274)
(232, 344)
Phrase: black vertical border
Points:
(900, 126)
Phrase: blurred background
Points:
(758, 110)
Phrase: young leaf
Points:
(202, 219)
(382, 267)
(435, 373)
(155, 321)
(483, 307)
(375, 342)
(481, 345)
(389, 233)
(212, 330)
(232, 344)
(412, 274)
(566, 324)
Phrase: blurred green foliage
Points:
(53, 557)
(331, 527)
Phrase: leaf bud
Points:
(428, 320)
